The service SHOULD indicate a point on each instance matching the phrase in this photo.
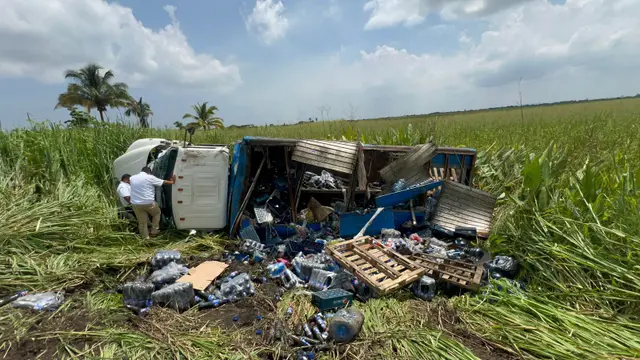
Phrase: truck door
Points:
(199, 196)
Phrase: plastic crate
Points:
(306, 247)
(331, 299)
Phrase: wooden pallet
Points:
(382, 269)
(462, 274)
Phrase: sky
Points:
(282, 61)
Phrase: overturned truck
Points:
(298, 196)
(270, 184)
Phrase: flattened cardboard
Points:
(202, 275)
(320, 213)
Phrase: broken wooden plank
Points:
(411, 167)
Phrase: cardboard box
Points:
(202, 275)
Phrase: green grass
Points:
(569, 182)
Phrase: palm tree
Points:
(141, 110)
(179, 125)
(93, 90)
(204, 116)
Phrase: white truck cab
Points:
(198, 199)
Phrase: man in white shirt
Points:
(124, 194)
(143, 200)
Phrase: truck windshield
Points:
(163, 167)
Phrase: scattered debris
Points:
(410, 168)
(410, 230)
(503, 265)
(39, 301)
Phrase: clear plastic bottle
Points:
(345, 325)
(276, 269)
(39, 301)
(399, 185)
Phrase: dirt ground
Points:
(248, 310)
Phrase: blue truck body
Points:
(460, 160)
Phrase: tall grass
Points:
(568, 179)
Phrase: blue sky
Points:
(272, 61)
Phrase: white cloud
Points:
(464, 38)
(386, 13)
(42, 38)
(171, 10)
(267, 21)
(333, 11)
(582, 49)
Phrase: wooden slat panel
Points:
(330, 155)
(460, 205)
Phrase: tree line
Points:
(93, 88)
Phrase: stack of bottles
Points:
(163, 257)
(235, 286)
(304, 265)
(137, 294)
(168, 274)
(178, 296)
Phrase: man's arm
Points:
(127, 199)
(170, 181)
(159, 182)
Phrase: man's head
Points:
(126, 178)
(146, 169)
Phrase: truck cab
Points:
(198, 199)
